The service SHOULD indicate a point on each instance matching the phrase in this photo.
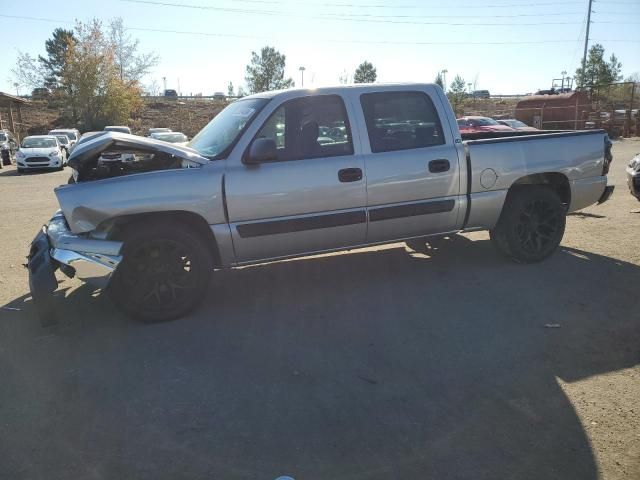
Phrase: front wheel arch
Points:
(116, 227)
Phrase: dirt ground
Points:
(372, 364)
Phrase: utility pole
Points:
(444, 79)
(164, 81)
(586, 42)
(302, 69)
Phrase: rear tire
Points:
(531, 225)
(164, 272)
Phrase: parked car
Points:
(516, 125)
(170, 93)
(117, 128)
(171, 137)
(481, 124)
(8, 148)
(633, 176)
(152, 233)
(72, 133)
(158, 130)
(481, 94)
(65, 143)
(219, 96)
(40, 152)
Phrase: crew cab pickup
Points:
(297, 172)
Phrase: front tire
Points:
(164, 272)
(531, 225)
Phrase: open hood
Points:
(86, 154)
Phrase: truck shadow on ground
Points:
(387, 364)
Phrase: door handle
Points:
(440, 165)
(350, 175)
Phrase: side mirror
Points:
(261, 150)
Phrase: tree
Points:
(153, 88)
(97, 92)
(28, 71)
(266, 71)
(230, 91)
(439, 81)
(365, 73)
(596, 70)
(54, 64)
(241, 92)
(343, 78)
(457, 93)
(132, 66)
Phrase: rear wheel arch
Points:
(116, 227)
(558, 182)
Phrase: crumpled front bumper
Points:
(56, 247)
(633, 181)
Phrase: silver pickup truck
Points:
(296, 172)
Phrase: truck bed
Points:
(527, 133)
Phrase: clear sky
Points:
(507, 46)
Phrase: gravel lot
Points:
(373, 364)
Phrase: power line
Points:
(363, 42)
(366, 15)
(339, 17)
(208, 7)
(378, 5)
(516, 15)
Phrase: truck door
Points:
(412, 167)
(312, 197)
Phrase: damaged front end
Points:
(115, 154)
(56, 247)
(71, 241)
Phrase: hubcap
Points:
(538, 226)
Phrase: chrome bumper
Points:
(56, 247)
(88, 259)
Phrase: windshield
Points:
(117, 129)
(170, 137)
(484, 121)
(221, 133)
(63, 139)
(39, 143)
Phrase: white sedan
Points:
(40, 152)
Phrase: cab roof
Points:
(360, 87)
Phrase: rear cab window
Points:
(401, 120)
(309, 127)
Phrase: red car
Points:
(481, 124)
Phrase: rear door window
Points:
(401, 121)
